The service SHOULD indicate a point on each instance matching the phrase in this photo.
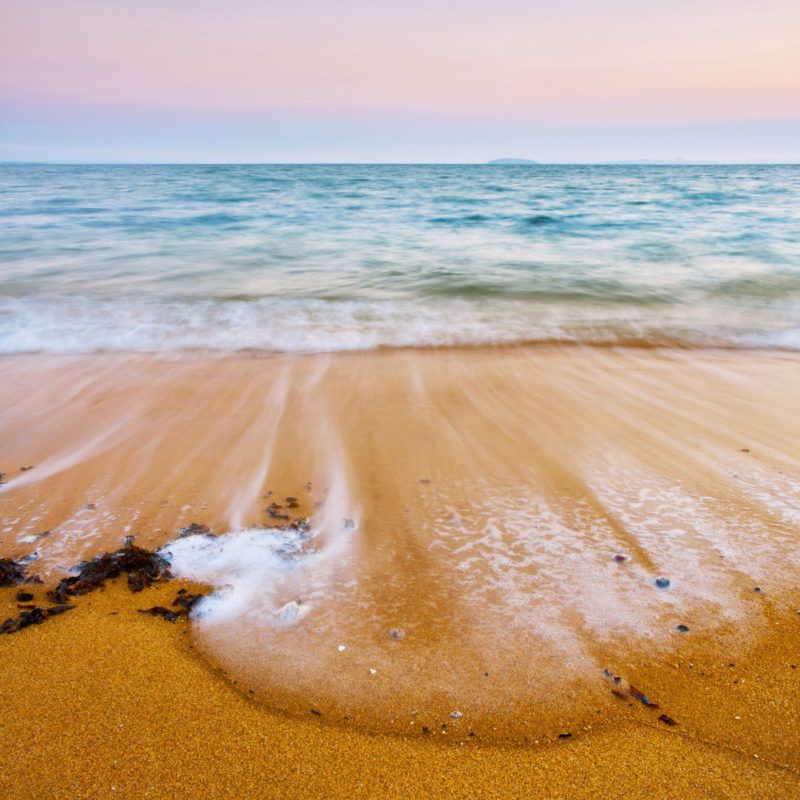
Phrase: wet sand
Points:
(489, 491)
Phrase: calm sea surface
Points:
(317, 258)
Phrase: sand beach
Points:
(566, 568)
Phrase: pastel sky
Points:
(399, 80)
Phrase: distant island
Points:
(512, 161)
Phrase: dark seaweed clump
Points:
(12, 573)
(195, 529)
(142, 567)
(32, 615)
(185, 602)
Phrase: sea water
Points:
(306, 258)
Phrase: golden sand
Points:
(104, 702)
(490, 490)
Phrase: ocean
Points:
(313, 258)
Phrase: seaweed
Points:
(137, 580)
(35, 616)
(142, 566)
(13, 573)
(187, 601)
(32, 615)
(274, 512)
(300, 524)
(54, 611)
(160, 611)
(183, 599)
(194, 529)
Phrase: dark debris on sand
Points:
(160, 611)
(13, 573)
(630, 692)
(195, 529)
(143, 568)
(274, 511)
(185, 602)
(32, 615)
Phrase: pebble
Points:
(683, 628)
(292, 611)
(373, 671)
(456, 714)
(341, 648)
(397, 633)
(662, 583)
(620, 558)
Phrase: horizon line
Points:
(655, 162)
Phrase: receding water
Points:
(332, 257)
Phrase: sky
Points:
(399, 80)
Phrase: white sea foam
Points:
(74, 324)
(271, 576)
(248, 569)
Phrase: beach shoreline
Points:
(562, 457)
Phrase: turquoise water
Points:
(316, 258)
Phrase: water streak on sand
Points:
(247, 493)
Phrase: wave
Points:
(314, 258)
(298, 325)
